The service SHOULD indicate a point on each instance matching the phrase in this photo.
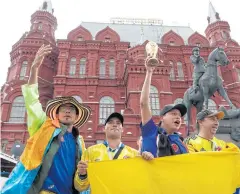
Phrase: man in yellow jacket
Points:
(205, 140)
(112, 148)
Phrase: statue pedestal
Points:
(229, 130)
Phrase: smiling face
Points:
(67, 114)
(171, 121)
(209, 126)
(113, 129)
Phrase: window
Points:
(198, 44)
(112, 69)
(23, 70)
(17, 141)
(172, 43)
(154, 100)
(106, 107)
(72, 68)
(40, 26)
(180, 71)
(4, 143)
(212, 105)
(78, 98)
(225, 35)
(172, 75)
(107, 39)
(80, 38)
(102, 70)
(18, 110)
(99, 141)
(180, 101)
(82, 71)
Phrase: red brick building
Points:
(102, 64)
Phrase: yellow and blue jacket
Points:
(42, 131)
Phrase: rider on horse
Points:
(199, 67)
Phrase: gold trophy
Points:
(152, 50)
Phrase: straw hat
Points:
(54, 104)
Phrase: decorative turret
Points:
(44, 24)
(217, 31)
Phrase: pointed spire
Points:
(141, 35)
(213, 16)
(47, 6)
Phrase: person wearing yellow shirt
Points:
(205, 140)
(112, 148)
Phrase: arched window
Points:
(40, 26)
(225, 35)
(4, 143)
(154, 101)
(212, 105)
(82, 71)
(17, 141)
(172, 75)
(18, 110)
(78, 98)
(102, 70)
(112, 69)
(72, 68)
(23, 70)
(106, 107)
(180, 101)
(180, 71)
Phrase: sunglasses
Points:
(72, 109)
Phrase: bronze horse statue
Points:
(209, 83)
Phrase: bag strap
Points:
(118, 153)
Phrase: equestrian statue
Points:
(206, 81)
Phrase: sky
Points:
(15, 17)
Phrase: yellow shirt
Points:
(98, 153)
(196, 143)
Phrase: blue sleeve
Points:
(149, 135)
(237, 191)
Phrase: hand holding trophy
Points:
(151, 50)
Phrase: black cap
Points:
(181, 107)
(208, 113)
(115, 115)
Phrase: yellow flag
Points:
(195, 173)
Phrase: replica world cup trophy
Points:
(152, 50)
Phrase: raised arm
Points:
(36, 116)
(146, 114)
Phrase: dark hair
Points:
(77, 112)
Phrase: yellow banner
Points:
(196, 173)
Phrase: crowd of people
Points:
(55, 159)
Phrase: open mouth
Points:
(177, 122)
(215, 127)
